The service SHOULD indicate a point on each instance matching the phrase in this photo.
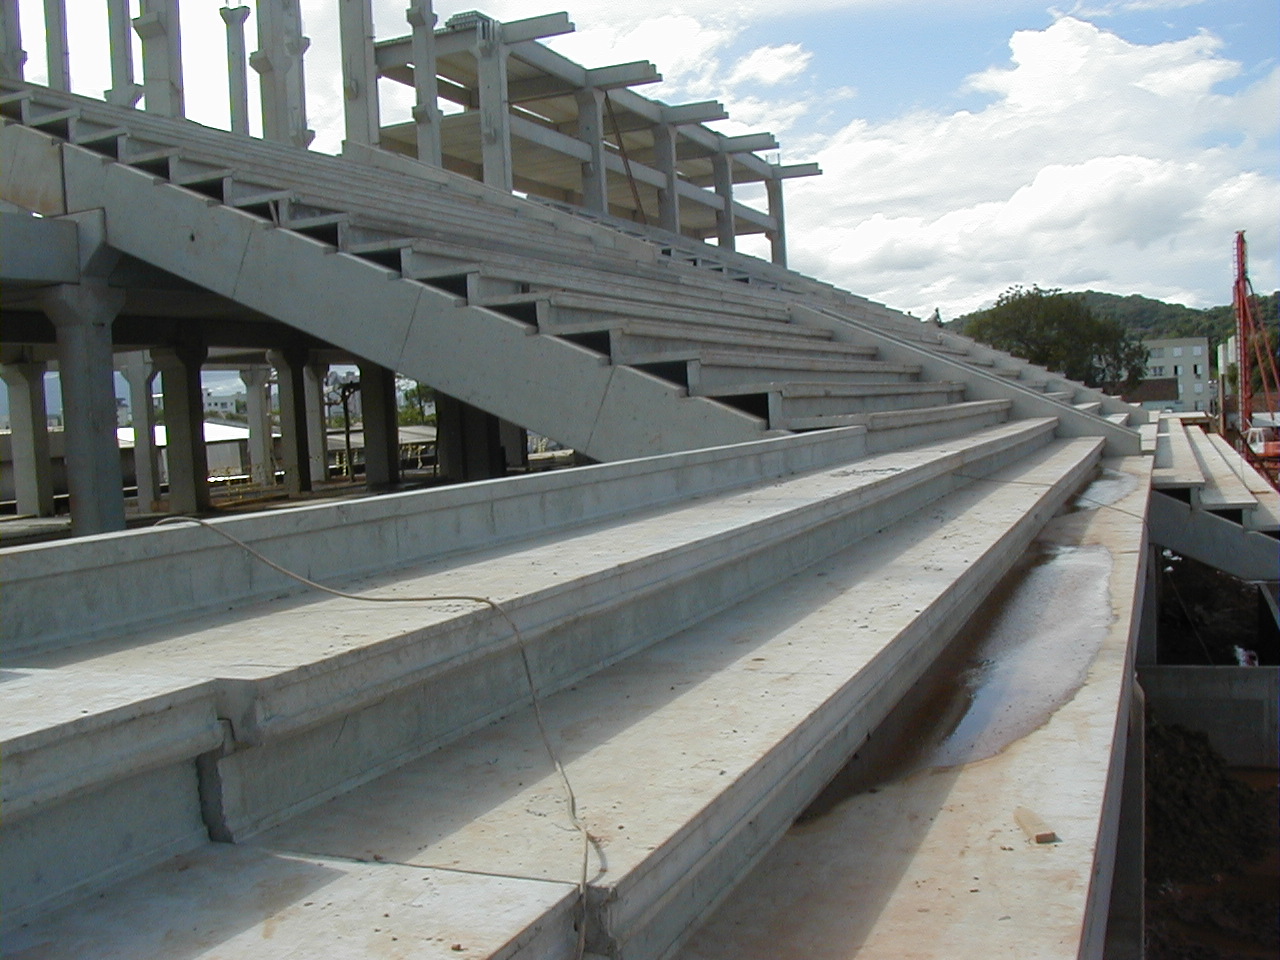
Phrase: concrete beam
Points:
(38, 250)
(1220, 543)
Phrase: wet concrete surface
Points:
(858, 875)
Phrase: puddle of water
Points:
(1107, 488)
(1023, 654)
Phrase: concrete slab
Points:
(224, 902)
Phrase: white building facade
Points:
(1185, 360)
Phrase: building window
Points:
(1199, 388)
(1157, 371)
(1196, 351)
(1197, 369)
(1199, 405)
(1177, 369)
(1157, 353)
(1177, 351)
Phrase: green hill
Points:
(1148, 319)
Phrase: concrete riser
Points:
(871, 403)
(711, 377)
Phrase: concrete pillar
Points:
(29, 438)
(359, 72)
(1148, 626)
(426, 112)
(278, 62)
(237, 67)
(1126, 919)
(294, 441)
(495, 107)
(595, 190)
(515, 444)
(82, 315)
(139, 370)
(55, 44)
(778, 237)
(313, 377)
(262, 465)
(381, 425)
(184, 427)
(722, 171)
(468, 441)
(124, 91)
(664, 147)
(160, 30)
(12, 57)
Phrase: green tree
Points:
(414, 400)
(1059, 331)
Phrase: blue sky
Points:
(967, 145)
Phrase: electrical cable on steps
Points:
(570, 796)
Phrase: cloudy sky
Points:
(966, 145)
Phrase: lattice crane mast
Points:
(1254, 352)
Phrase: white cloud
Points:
(1097, 163)
(770, 65)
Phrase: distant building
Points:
(1185, 361)
(223, 403)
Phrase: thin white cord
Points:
(528, 675)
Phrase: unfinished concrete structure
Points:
(802, 495)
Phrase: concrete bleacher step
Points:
(1222, 489)
(402, 322)
(916, 849)
(568, 313)
(714, 369)
(1176, 466)
(234, 720)
(639, 342)
(830, 645)
(1265, 512)
(805, 399)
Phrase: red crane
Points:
(1253, 344)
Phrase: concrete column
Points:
(278, 62)
(29, 438)
(313, 376)
(141, 374)
(1148, 626)
(184, 427)
(595, 190)
(468, 441)
(722, 170)
(237, 67)
(381, 426)
(664, 146)
(55, 44)
(778, 238)
(515, 444)
(160, 30)
(257, 383)
(290, 365)
(82, 315)
(426, 112)
(495, 107)
(359, 72)
(12, 57)
(1126, 916)
(124, 91)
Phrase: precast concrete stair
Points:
(710, 634)
(467, 258)
(1209, 503)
